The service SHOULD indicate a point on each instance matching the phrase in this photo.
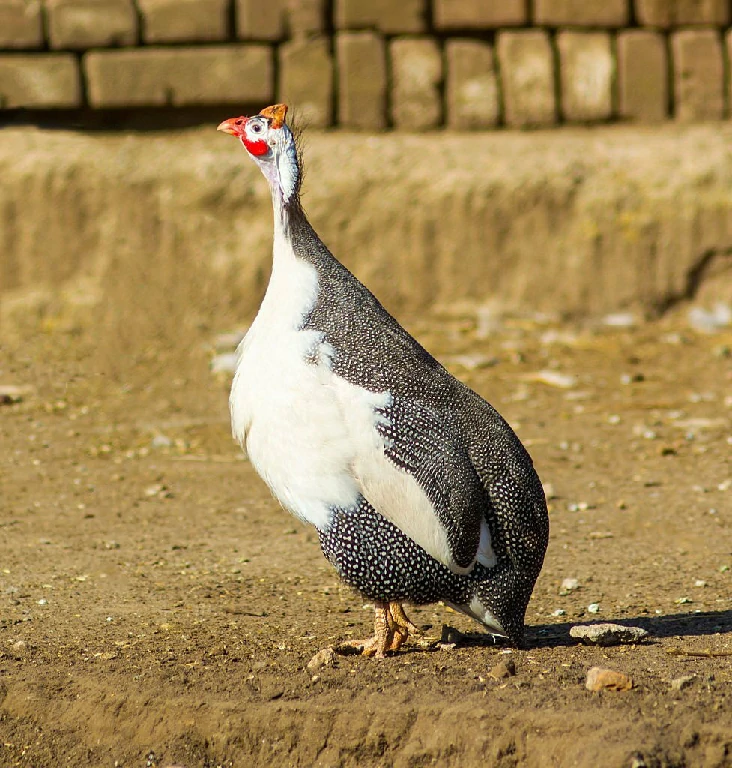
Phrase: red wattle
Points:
(256, 148)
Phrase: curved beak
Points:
(229, 126)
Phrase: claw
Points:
(391, 631)
(402, 620)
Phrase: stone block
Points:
(698, 68)
(581, 13)
(306, 17)
(175, 21)
(20, 24)
(471, 84)
(361, 61)
(39, 80)
(392, 17)
(81, 24)
(479, 14)
(260, 19)
(234, 74)
(586, 70)
(643, 76)
(306, 80)
(677, 13)
(526, 64)
(416, 68)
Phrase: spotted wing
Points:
(417, 474)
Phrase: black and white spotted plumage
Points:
(420, 491)
(456, 446)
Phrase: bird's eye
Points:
(239, 122)
(257, 128)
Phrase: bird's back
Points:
(464, 434)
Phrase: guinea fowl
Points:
(418, 488)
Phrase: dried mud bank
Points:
(169, 234)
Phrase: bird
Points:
(419, 490)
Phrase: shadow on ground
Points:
(698, 624)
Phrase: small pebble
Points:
(553, 336)
(607, 634)
(323, 658)
(630, 378)
(700, 583)
(673, 338)
(600, 679)
(553, 379)
(559, 612)
(679, 683)
(581, 506)
(159, 490)
(568, 585)
(710, 321)
(593, 607)
(505, 668)
(620, 320)
(12, 393)
(447, 646)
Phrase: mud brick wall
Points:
(373, 64)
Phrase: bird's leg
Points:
(402, 620)
(391, 630)
(400, 626)
(384, 637)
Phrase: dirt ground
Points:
(159, 609)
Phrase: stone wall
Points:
(371, 64)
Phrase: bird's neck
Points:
(295, 240)
(284, 220)
(288, 219)
(293, 285)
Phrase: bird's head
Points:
(269, 142)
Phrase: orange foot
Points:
(391, 630)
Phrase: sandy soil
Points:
(159, 609)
